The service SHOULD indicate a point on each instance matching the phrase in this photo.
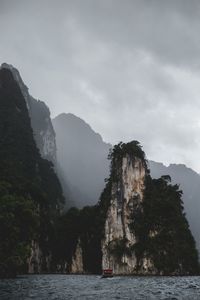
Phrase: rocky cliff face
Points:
(139, 226)
(126, 196)
(40, 118)
(44, 136)
(145, 229)
(77, 260)
(30, 180)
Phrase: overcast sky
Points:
(131, 69)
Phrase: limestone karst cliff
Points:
(138, 227)
(43, 130)
(145, 230)
(127, 180)
(40, 118)
(127, 194)
(30, 192)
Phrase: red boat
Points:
(107, 273)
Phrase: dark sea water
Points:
(51, 287)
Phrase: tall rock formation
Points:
(43, 130)
(40, 118)
(126, 196)
(30, 192)
(145, 229)
(127, 193)
(82, 157)
(138, 227)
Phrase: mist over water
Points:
(62, 287)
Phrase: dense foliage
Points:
(79, 226)
(30, 193)
(18, 226)
(162, 229)
(116, 154)
(132, 148)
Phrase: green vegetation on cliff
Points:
(19, 223)
(162, 230)
(30, 193)
(85, 226)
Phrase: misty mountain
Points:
(82, 156)
(39, 113)
(189, 182)
(43, 131)
(30, 193)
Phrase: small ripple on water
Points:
(62, 287)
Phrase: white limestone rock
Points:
(126, 196)
(77, 260)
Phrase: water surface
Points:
(51, 287)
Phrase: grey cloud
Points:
(129, 68)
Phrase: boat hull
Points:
(106, 276)
(107, 273)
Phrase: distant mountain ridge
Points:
(82, 156)
(76, 143)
